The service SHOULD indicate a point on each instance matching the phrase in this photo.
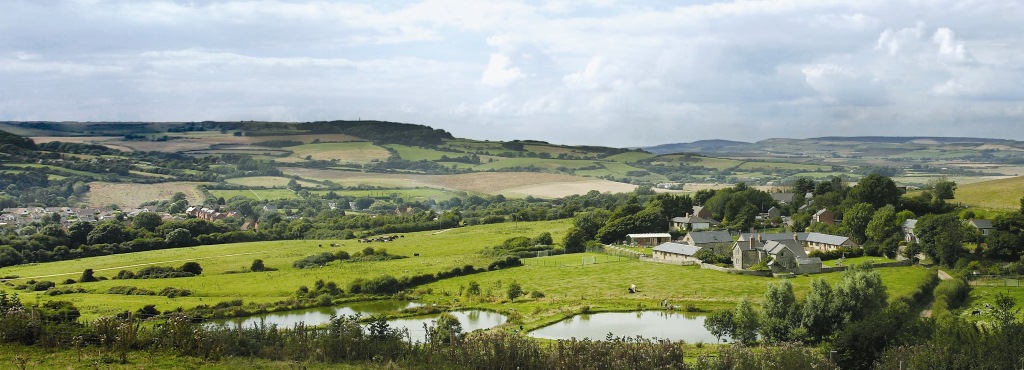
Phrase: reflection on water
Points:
(471, 319)
(649, 324)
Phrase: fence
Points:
(1012, 281)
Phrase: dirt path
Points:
(927, 312)
(135, 265)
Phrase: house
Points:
(783, 198)
(786, 255)
(690, 222)
(984, 226)
(720, 240)
(648, 240)
(823, 216)
(773, 236)
(702, 212)
(746, 253)
(676, 252)
(774, 213)
(803, 208)
(826, 242)
(908, 230)
(808, 265)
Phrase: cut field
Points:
(777, 166)
(437, 252)
(348, 152)
(258, 194)
(126, 195)
(1001, 194)
(416, 194)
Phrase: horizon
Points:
(574, 73)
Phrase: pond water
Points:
(471, 319)
(649, 324)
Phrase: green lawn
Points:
(438, 252)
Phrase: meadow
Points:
(258, 194)
(1001, 194)
(269, 181)
(128, 195)
(345, 152)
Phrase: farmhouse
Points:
(676, 252)
(786, 255)
(823, 216)
(720, 240)
(984, 226)
(826, 242)
(690, 222)
(648, 240)
(908, 230)
(773, 213)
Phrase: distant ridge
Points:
(696, 146)
(906, 139)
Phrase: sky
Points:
(597, 72)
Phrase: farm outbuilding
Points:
(676, 252)
(648, 240)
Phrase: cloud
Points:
(595, 72)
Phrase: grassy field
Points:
(547, 164)
(416, 194)
(438, 252)
(629, 157)
(1002, 194)
(256, 194)
(413, 153)
(127, 195)
(347, 152)
(982, 295)
(55, 168)
(568, 285)
(770, 166)
(269, 181)
(37, 357)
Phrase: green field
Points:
(256, 194)
(347, 152)
(413, 153)
(60, 169)
(438, 252)
(629, 157)
(417, 194)
(269, 181)
(982, 295)
(772, 166)
(1002, 194)
(547, 164)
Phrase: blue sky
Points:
(618, 73)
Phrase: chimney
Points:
(760, 237)
(751, 242)
(796, 237)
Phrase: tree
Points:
(883, 225)
(87, 277)
(856, 219)
(514, 291)
(818, 314)
(746, 322)
(876, 189)
(474, 288)
(179, 238)
(191, 267)
(147, 220)
(720, 324)
(777, 311)
(941, 237)
(860, 293)
(257, 266)
(944, 189)
(1004, 311)
(446, 330)
(9, 256)
(178, 197)
(111, 232)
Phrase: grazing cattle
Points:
(415, 254)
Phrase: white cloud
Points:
(500, 72)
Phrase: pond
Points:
(648, 324)
(471, 319)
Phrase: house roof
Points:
(981, 224)
(808, 261)
(691, 219)
(820, 212)
(705, 237)
(909, 223)
(649, 235)
(773, 236)
(826, 239)
(677, 248)
(774, 247)
(783, 197)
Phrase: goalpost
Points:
(588, 260)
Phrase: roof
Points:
(782, 197)
(808, 260)
(705, 237)
(820, 212)
(981, 224)
(649, 235)
(677, 248)
(826, 239)
(773, 236)
(692, 219)
(775, 246)
(909, 223)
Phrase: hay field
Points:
(1003, 194)
(561, 189)
(269, 181)
(348, 152)
(124, 195)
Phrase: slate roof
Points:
(981, 224)
(677, 248)
(705, 237)
(692, 220)
(910, 224)
(826, 239)
(773, 236)
(783, 197)
(775, 246)
(808, 261)
(820, 212)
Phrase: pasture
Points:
(346, 152)
(269, 182)
(1001, 194)
(438, 251)
(258, 194)
(408, 194)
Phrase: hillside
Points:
(1004, 194)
